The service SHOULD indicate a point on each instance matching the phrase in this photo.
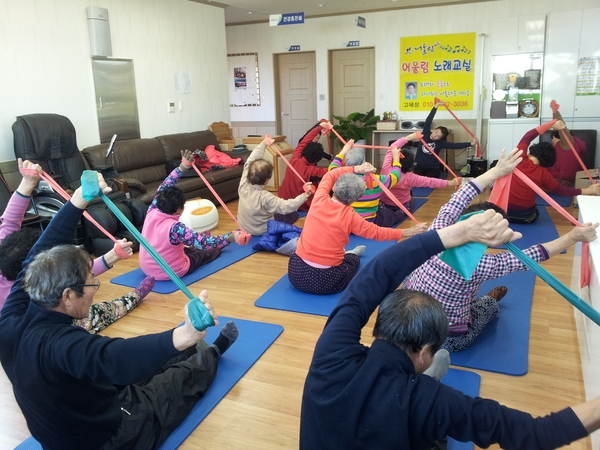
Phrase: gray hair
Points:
(355, 157)
(54, 270)
(410, 320)
(349, 188)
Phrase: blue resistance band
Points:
(199, 315)
(555, 284)
(464, 258)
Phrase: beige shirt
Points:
(256, 205)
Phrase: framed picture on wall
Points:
(243, 79)
(534, 76)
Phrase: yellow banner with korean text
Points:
(439, 65)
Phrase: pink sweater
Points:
(10, 222)
(157, 227)
(329, 223)
(409, 180)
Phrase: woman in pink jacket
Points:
(402, 189)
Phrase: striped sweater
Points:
(368, 204)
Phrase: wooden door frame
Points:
(330, 74)
(277, 84)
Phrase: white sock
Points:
(440, 366)
(358, 250)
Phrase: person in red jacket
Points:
(304, 159)
(567, 165)
(521, 200)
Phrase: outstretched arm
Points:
(586, 233)
(506, 164)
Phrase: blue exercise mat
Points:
(255, 338)
(503, 345)
(421, 192)
(283, 296)
(229, 255)
(560, 199)
(468, 383)
(538, 232)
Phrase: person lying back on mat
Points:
(85, 391)
(427, 164)
(521, 201)
(408, 180)
(256, 206)
(15, 243)
(378, 397)
(181, 247)
(320, 264)
(367, 206)
(304, 159)
(467, 312)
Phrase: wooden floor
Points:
(262, 410)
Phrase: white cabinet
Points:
(506, 133)
(588, 332)
(510, 35)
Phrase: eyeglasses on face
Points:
(95, 284)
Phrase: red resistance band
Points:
(117, 247)
(437, 100)
(244, 237)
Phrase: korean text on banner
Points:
(441, 65)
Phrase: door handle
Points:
(285, 114)
(100, 102)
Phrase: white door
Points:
(297, 105)
(352, 81)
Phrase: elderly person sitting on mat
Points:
(79, 390)
(256, 205)
(320, 264)
(181, 247)
(368, 203)
(467, 312)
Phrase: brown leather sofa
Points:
(145, 160)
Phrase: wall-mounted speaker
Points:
(99, 31)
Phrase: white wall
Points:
(46, 63)
(501, 21)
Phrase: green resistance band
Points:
(555, 284)
(199, 315)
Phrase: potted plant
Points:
(357, 126)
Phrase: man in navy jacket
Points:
(358, 397)
(79, 390)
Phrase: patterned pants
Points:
(104, 313)
(312, 280)
(483, 310)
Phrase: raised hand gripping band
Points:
(32, 172)
(198, 313)
(438, 158)
(437, 100)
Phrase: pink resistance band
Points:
(587, 172)
(437, 100)
(358, 145)
(244, 237)
(439, 159)
(382, 186)
(311, 189)
(393, 198)
(32, 172)
(585, 246)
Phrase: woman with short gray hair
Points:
(320, 264)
